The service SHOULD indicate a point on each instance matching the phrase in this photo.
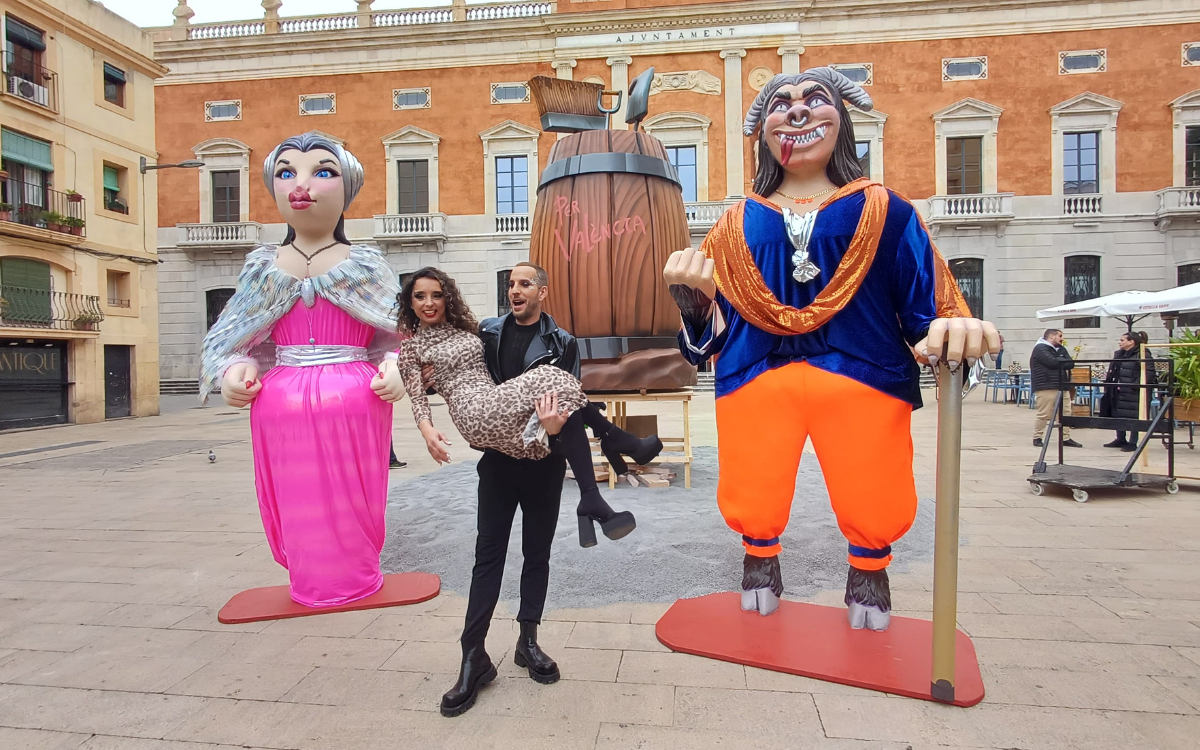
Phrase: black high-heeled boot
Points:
(593, 509)
(530, 656)
(477, 670)
(614, 441)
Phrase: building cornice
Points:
(46, 15)
(541, 40)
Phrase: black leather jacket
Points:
(1050, 368)
(553, 346)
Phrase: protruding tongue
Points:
(785, 149)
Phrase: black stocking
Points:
(573, 444)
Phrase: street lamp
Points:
(143, 167)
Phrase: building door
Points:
(33, 383)
(117, 381)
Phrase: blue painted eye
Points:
(286, 174)
(326, 173)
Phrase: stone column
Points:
(564, 68)
(183, 19)
(790, 55)
(620, 82)
(735, 143)
(458, 11)
(365, 16)
(271, 16)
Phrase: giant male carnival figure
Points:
(817, 296)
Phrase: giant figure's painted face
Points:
(802, 125)
(308, 189)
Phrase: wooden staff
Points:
(945, 549)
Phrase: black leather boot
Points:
(641, 450)
(530, 656)
(477, 670)
(593, 509)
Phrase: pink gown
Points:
(321, 438)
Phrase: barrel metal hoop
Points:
(650, 166)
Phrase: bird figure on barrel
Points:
(609, 213)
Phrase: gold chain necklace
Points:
(808, 199)
(308, 259)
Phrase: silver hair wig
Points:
(835, 81)
(352, 171)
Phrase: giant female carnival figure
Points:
(318, 316)
(819, 293)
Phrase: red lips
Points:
(300, 199)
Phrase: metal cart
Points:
(1080, 479)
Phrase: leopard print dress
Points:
(501, 417)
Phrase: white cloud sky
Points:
(158, 12)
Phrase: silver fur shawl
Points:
(363, 285)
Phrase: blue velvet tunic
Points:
(868, 340)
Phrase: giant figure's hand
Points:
(388, 384)
(240, 385)
(955, 340)
(689, 277)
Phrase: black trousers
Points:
(506, 483)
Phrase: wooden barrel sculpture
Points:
(609, 213)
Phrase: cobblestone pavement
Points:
(119, 541)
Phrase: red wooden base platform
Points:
(815, 641)
(275, 602)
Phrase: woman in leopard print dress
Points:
(501, 417)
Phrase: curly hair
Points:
(457, 312)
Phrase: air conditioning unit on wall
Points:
(29, 90)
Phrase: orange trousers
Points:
(862, 439)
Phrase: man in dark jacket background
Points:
(1050, 373)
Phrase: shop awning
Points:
(28, 151)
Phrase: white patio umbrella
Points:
(1131, 306)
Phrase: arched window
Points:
(215, 300)
(503, 307)
(1082, 282)
(968, 272)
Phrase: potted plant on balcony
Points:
(85, 320)
(6, 212)
(74, 197)
(74, 225)
(55, 222)
(29, 214)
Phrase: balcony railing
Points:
(704, 214)
(37, 206)
(512, 224)
(32, 83)
(414, 229)
(221, 234)
(21, 307)
(493, 12)
(1178, 203)
(344, 21)
(1082, 205)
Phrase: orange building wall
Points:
(461, 109)
(1144, 73)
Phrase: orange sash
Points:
(740, 281)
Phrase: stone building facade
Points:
(78, 219)
(1053, 148)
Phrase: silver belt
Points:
(310, 355)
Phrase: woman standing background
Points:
(1123, 401)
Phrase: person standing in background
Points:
(1049, 372)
